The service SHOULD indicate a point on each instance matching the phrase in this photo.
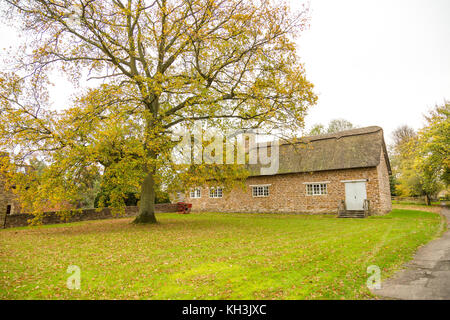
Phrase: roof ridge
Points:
(345, 133)
(335, 135)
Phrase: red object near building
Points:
(184, 208)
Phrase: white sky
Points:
(377, 62)
(373, 62)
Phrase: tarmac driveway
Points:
(427, 276)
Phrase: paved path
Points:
(427, 276)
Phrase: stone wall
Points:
(288, 193)
(384, 186)
(7, 198)
(21, 220)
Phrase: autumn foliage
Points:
(154, 67)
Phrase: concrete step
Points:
(352, 214)
(350, 217)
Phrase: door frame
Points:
(355, 181)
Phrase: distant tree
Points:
(432, 159)
(338, 125)
(393, 184)
(102, 199)
(162, 197)
(402, 135)
(317, 129)
(402, 162)
(335, 125)
(421, 161)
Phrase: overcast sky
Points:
(377, 62)
(373, 62)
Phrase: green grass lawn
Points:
(211, 256)
(417, 203)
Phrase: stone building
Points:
(348, 171)
(8, 202)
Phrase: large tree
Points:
(420, 161)
(402, 155)
(401, 136)
(432, 159)
(164, 64)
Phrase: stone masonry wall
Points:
(21, 220)
(385, 189)
(7, 198)
(287, 193)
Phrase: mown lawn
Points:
(211, 256)
(419, 204)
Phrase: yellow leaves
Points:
(423, 162)
(232, 63)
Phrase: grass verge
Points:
(211, 256)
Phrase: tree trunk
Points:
(427, 200)
(147, 203)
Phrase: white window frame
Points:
(316, 188)
(216, 192)
(195, 193)
(262, 190)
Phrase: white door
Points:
(355, 194)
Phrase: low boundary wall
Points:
(22, 219)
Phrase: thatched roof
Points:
(357, 148)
